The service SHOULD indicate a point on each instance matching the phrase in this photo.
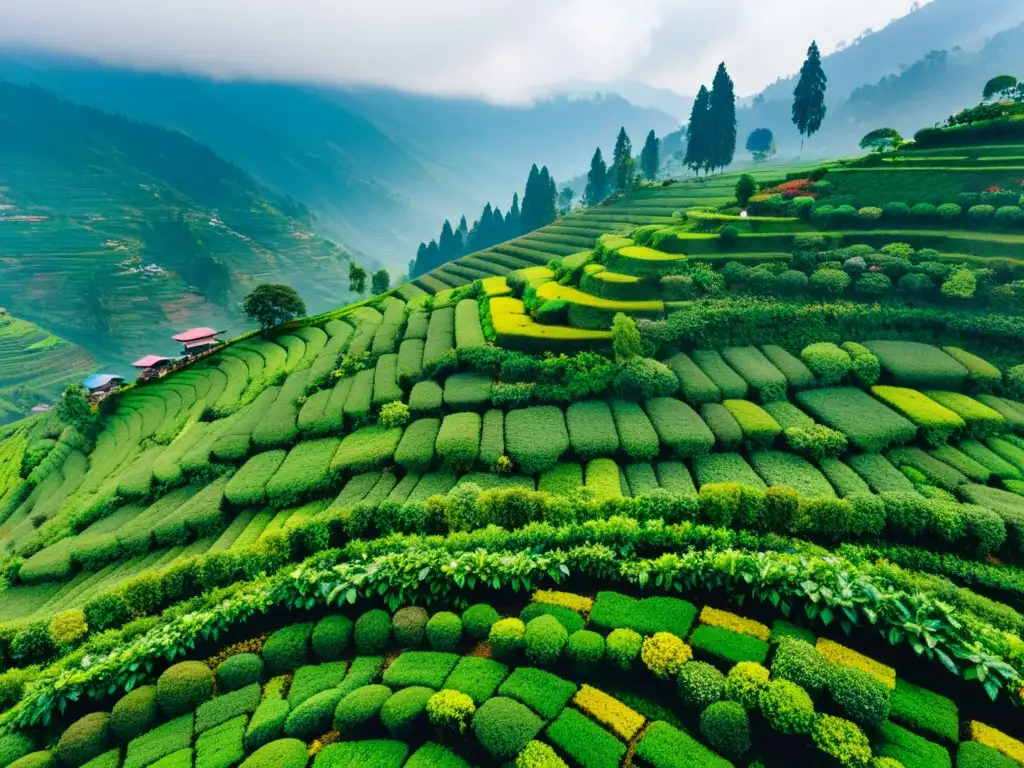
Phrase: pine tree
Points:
(531, 202)
(512, 219)
(722, 120)
(622, 162)
(485, 229)
(597, 180)
(497, 227)
(446, 244)
(549, 211)
(649, 160)
(419, 265)
(433, 256)
(697, 132)
(809, 96)
(462, 236)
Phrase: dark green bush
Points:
(545, 640)
(423, 668)
(283, 753)
(787, 707)
(925, 712)
(476, 677)
(800, 663)
(409, 625)
(14, 746)
(355, 711)
(134, 713)
(444, 631)
(268, 721)
(585, 650)
(726, 727)
(729, 647)
(544, 693)
(700, 685)
(504, 727)
(363, 671)
(331, 637)
(404, 713)
(84, 739)
(238, 671)
(372, 632)
(506, 639)
(288, 649)
(567, 617)
(864, 699)
(314, 716)
(221, 709)
(183, 687)
(585, 742)
(974, 754)
(622, 648)
(379, 753)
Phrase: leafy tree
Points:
(597, 180)
(357, 275)
(809, 96)
(722, 120)
(625, 338)
(697, 132)
(380, 282)
(622, 162)
(649, 159)
(882, 140)
(1002, 86)
(761, 144)
(746, 188)
(565, 198)
(272, 304)
(74, 409)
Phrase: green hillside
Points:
(661, 484)
(115, 235)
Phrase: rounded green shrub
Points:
(134, 713)
(355, 710)
(504, 727)
(283, 753)
(238, 671)
(409, 624)
(787, 708)
(585, 650)
(537, 754)
(864, 699)
(183, 687)
(664, 654)
(34, 760)
(622, 647)
(403, 713)
(700, 685)
(287, 649)
(14, 746)
(331, 637)
(745, 682)
(506, 639)
(545, 640)
(451, 710)
(478, 619)
(372, 632)
(799, 662)
(84, 739)
(314, 716)
(444, 631)
(726, 727)
(841, 740)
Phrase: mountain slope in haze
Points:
(115, 234)
(378, 168)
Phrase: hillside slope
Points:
(115, 234)
(379, 168)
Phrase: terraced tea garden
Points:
(660, 485)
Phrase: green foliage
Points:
(381, 753)
(222, 747)
(745, 683)
(477, 677)
(372, 632)
(787, 707)
(159, 742)
(86, 738)
(544, 640)
(366, 449)
(313, 716)
(664, 746)
(270, 304)
(543, 692)
(504, 727)
(591, 429)
(637, 436)
(507, 639)
(283, 753)
(478, 620)
(862, 698)
(404, 713)
(925, 712)
(357, 709)
(331, 637)
(760, 430)
(537, 754)
(828, 362)
(726, 727)
(536, 437)
(653, 614)
(183, 686)
(134, 713)
(973, 754)
(700, 685)
(228, 706)
(623, 647)
(841, 740)
(409, 625)
(729, 647)
(584, 741)
(458, 440)
(423, 668)
(868, 424)
(444, 631)
(288, 649)
(679, 427)
(585, 650)
(663, 654)
(746, 188)
(908, 748)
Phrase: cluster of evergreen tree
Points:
(622, 176)
(711, 134)
(538, 210)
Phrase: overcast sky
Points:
(503, 51)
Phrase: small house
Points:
(101, 384)
(41, 408)
(198, 340)
(152, 366)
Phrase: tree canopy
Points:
(746, 188)
(882, 140)
(381, 281)
(722, 120)
(357, 275)
(597, 180)
(697, 132)
(1001, 85)
(809, 96)
(271, 304)
(761, 144)
(649, 157)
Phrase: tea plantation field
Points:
(672, 482)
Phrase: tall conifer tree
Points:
(722, 120)
(597, 180)
(419, 266)
(697, 132)
(649, 157)
(512, 219)
(446, 244)
(809, 96)
(530, 214)
(622, 162)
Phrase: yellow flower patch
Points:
(568, 600)
(496, 286)
(999, 741)
(612, 713)
(847, 657)
(713, 617)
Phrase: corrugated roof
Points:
(194, 334)
(149, 361)
(98, 380)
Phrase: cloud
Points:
(500, 51)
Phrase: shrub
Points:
(283, 753)
(372, 632)
(937, 422)
(537, 754)
(238, 671)
(787, 707)
(759, 429)
(973, 754)
(758, 371)
(478, 620)
(745, 682)
(842, 740)
(637, 435)
(444, 631)
(504, 727)
(663, 654)
(829, 282)
(700, 685)
(923, 212)
(863, 698)
(867, 423)
(221, 709)
(726, 727)
(409, 626)
(355, 711)
(679, 427)
(84, 739)
(507, 639)
(477, 677)
(873, 285)
(14, 746)
(961, 285)
(544, 640)
(458, 440)
(403, 714)
(331, 637)
(585, 649)
(981, 214)
(923, 711)
(287, 649)
(450, 710)
(184, 686)
(536, 437)
(622, 647)
(728, 646)
(817, 441)
(314, 716)
(134, 713)
(159, 742)
(34, 760)
(723, 425)
(424, 668)
(380, 753)
(585, 742)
